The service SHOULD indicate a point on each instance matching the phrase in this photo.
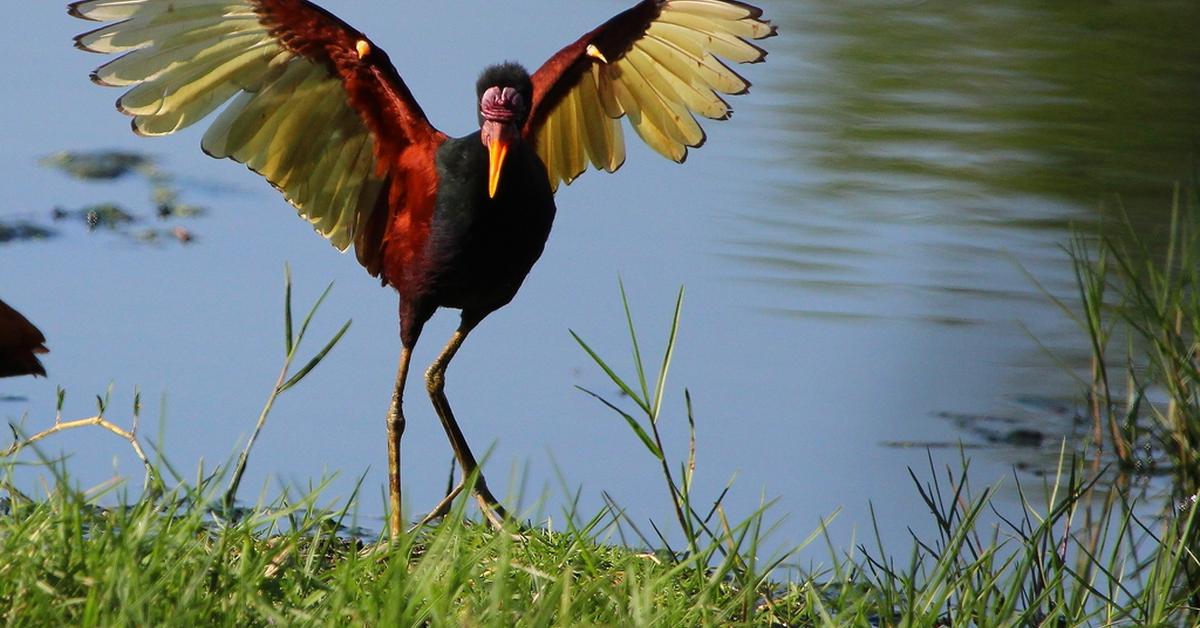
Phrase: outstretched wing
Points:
(655, 64)
(314, 106)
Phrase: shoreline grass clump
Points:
(101, 558)
(1151, 300)
(171, 560)
(1144, 397)
(1078, 558)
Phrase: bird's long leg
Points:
(435, 383)
(395, 429)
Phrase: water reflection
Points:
(943, 143)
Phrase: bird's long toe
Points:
(441, 509)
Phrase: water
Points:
(856, 245)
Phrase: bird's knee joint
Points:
(435, 380)
(395, 422)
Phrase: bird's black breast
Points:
(480, 248)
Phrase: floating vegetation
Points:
(112, 217)
(167, 211)
(98, 216)
(182, 234)
(102, 165)
(23, 230)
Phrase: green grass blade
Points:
(312, 312)
(633, 424)
(611, 374)
(287, 310)
(637, 350)
(667, 355)
(295, 379)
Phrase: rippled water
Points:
(924, 145)
(859, 247)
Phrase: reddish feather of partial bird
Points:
(20, 342)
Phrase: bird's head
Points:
(505, 94)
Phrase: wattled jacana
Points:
(319, 111)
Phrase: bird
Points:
(20, 344)
(319, 110)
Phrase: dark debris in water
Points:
(1039, 424)
(24, 230)
(1050, 407)
(990, 430)
(1035, 429)
(13, 399)
(928, 444)
(963, 418)
(1004, 437)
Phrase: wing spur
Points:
(655, 64)
(313, 107)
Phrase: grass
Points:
(172, 560)
(1151, 302)
(1083, 553)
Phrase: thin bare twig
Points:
(129, 436)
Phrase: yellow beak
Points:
(497, 151)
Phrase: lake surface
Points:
(857, 246)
